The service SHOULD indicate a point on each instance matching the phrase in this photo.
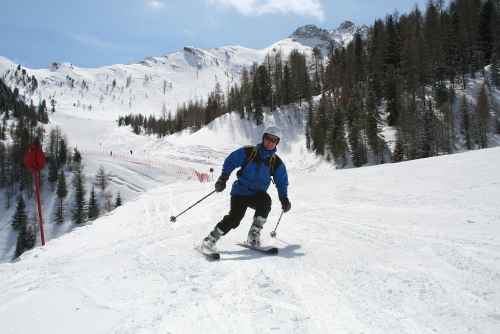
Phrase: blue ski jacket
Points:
(256, 174)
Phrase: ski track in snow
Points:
(397, 248)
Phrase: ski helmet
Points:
(273, 130)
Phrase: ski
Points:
(267, 250)
(208, 252)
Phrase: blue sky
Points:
(94, 33)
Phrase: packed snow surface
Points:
(412, 247)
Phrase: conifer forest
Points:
(410, 73)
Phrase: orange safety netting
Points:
(203, 177)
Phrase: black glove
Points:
(221, 183)
(285, 204)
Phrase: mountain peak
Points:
(312, 36)
(311, 31)
(346, 25)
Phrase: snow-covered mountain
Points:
(144, 87)
(312, 36)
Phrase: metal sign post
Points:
(34, 160)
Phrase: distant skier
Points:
(258, 164)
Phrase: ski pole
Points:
(273, 233)
(173, 219)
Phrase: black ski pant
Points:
(260, 202)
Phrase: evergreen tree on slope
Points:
(79, 213)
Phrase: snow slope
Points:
(144, 87)
(412, 247)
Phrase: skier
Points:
(258, 164)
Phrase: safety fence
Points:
(203, 177)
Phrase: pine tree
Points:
(495, 71)
(270, 67)
(320, 125)
(53, 173)
(337, 141)
(26, 238)
(219, 98)
(209, 110)
(3, 165)
(483, 116)
(309, 125)
(20, 217)
(246, 92)
(52, 147)
(264, 86)
(329, 75)
(102, 178)
(62, 192)
(43, 117)
(77, 157)
(277, 77)
(239, 103)
(391, 94)
(468, 28)
(258, 115)
(317, 70)
(373, 128)
(446, 131)
(393, 43)
(59, 216)
(3, 128)
(119, 200)
(359, 61)
(375, 58)
(398, 154)
(286, 86)
(485, 30)
(93, 206)
(53, 104)
(428, 140)
(496, 108)
(354, 126)
(108, 200)
(431, 38)
(63, 152)
(79, 214)
(299, 76)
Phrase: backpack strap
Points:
(253, 155)
(251, 152)
(273, 163)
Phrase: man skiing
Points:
(258, 164)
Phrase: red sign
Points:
(34, 159)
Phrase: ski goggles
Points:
(272, 140)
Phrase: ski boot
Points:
(212, 238)
(253, 238)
